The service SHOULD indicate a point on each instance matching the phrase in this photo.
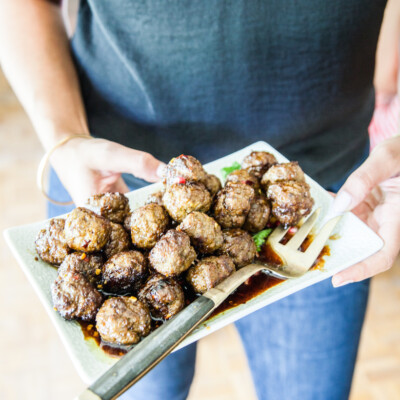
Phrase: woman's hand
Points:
(86, 167)
(372, 192)
(35, 54)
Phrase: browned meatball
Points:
(232, 205)
(181, 200)
(119, 241)
(50, 242)
(291, 201)
(123, 320)
(209, 272)
(172, 254)
(204, 232)
(258, 162)
(212, 184)
(127, 223)
(184, 169)
(113, 206)
(243, 176)
(124, 272)
(164, 296)
(73, 295)
(86, 231)
(290, 171)
(89, 265)
(155, 198)
(239, 245)
(258, 216)
(147, 224)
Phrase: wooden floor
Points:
(34, 364)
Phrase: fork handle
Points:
(155, 347)
(219, 293)
(149, 352)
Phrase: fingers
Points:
(379, 262)
(383, 163)
(94, 183)
(112, 183)
(373, 265)
(106, 155)
(87, 167)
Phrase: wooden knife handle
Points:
(149, 352)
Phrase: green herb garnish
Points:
(259, 238)
(227, 170)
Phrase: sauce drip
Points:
(254, 286)
(90, 332)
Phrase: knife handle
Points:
(149, 352)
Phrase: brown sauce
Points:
(90, 332)
(261, 282)
(254, 286)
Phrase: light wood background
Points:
(33, 362)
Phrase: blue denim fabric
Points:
(169, 380)
(302, 347)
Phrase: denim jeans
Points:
(302, 347)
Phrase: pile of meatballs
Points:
(123, 269)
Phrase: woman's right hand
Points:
(90, 166)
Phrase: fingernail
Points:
(341, 203)
(337, 282)
(160, 170)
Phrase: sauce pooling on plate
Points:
(253, 287)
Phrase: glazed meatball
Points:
(155, 198)
(242, 176)
(113, 206)
(164, 296)
(204, 232)
(119, 241)
(73, 295)
(184, 169)
(147, 224)
(172, 254)
(258, 216)
(283, 172)
(125, 272)
(239, 245)
(258, 162)
(209, 272)
(86, 231)
(291, 201)
(181, 200)
(89, 265)
(212, 184)
(50, 242)
(123, 320)
(232, 205)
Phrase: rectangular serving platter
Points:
(355, 242)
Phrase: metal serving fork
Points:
(296, 262)
(155, 347)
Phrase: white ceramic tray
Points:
(356, 242)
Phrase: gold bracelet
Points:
(43, 164)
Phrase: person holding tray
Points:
(146, 80)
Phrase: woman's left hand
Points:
(372, 192)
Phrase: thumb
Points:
(383, 163)
(105, 155)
